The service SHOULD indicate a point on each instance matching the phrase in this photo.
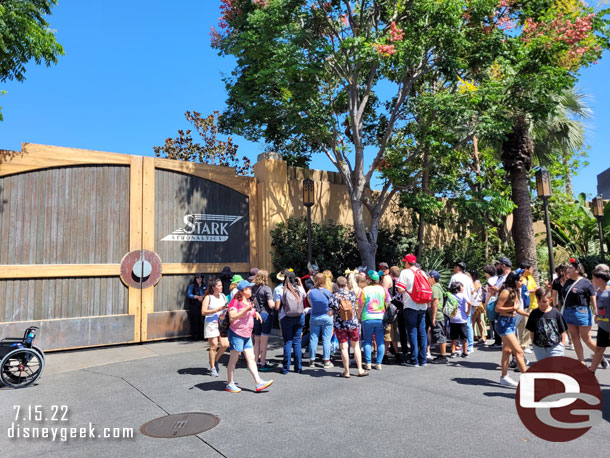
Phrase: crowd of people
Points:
(400, 314)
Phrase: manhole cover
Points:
(179, 425)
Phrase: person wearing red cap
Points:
(414, 314)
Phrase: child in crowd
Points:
(547, 326)
(459, 320)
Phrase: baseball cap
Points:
(504, 260)
(460, 264)
(410, 258)
(384, 265)
(236, 278)
(434, 274)
(244, 284)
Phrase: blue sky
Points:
(132, 68)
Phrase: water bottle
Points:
(29, 338)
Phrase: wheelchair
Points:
(21, 362)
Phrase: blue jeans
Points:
(370, 327)
(415, 321)
(292, 328)
(470, 333)
(323, 324)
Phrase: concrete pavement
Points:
(454, 410)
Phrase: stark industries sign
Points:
(202, 227)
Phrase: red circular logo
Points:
(559, 399)
(149, 271)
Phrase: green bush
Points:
(333, 246)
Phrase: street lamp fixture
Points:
(543, 186)
(543, 183)
(598, 212)
(308, 196)
(308, 192)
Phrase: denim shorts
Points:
(506, 325)
(548, 352)
(578, 316)
(263, 328)
(239, 343)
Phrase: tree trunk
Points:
(569, 189)
(424, 189)
(365, 239)
(517, 151)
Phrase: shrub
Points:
(333, 246)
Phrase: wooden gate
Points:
(69, 217)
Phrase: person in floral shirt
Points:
(346, 330)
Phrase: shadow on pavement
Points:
(510, 395)
(476, 365)
(219, 385)
(193, 371)
(476, 381)
(319, 372)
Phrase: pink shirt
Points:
(242, 326)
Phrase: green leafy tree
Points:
(25, 35)
(336, 77)
(538, 48)
(574, 227)
(211, 150)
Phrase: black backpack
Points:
(396, 297)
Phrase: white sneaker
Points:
(507, 381)
(528, 350)
(604, 363)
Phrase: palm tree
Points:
(561, 132)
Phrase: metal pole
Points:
(549, 240)
(309, 234)
(601, 238)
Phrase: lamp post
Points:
(598, 212)
(543, 186)
(308, 202)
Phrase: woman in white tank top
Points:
(213, 304)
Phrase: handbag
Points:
(390, 314)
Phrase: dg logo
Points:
(559, 399)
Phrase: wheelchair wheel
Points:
(39, 350)
(21, 367)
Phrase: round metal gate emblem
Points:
(179, 425)
(141, 269)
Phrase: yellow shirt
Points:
(531, 287)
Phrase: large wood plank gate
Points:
(70, 217)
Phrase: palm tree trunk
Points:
(569, 189)
(517, 151)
